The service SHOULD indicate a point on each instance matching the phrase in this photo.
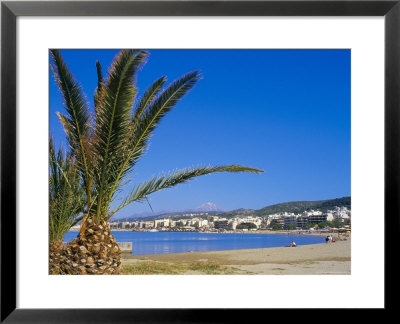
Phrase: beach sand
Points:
(334, 258)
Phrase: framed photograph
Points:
(290, 111)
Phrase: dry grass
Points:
(163, 268)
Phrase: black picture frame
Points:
(10, 10)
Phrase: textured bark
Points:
(94, 251)
(56, 252)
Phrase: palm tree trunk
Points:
(94, 251)
(56, 252)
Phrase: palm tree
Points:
(107, 145)
(66, 197)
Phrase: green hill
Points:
(289, 207)
(296, 207)
(301, 206)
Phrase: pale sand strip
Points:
(307, 259)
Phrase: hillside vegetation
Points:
(292, 207)
(289, 207)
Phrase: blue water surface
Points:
(176, 242)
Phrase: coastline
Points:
(294, 232)
(314, 259)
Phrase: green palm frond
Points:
(66, 195)
(141, 191)
(100, 86)
(76, 122)
(143, 127)
(99, 74)
(113, 118)
(105, 147)
(148, 97)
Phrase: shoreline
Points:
(322, 258)
(294, 232)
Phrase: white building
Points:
(343, 214)
(165, 222)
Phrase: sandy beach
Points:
(334, 258)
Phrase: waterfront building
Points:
(317, 218)
(222, 223)
(250, 219)
(302, 221)
(146, 224)
(165, 222)
(290, 220)
(277, 221)
(216, 223)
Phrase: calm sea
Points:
(176, 242)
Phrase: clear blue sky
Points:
(284, 111)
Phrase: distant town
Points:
(339, 218)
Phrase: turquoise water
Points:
(176, 242)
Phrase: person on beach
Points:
(327, 239)
(292, 244)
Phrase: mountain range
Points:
(206, 207)
(296, 207)
(209, 207)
